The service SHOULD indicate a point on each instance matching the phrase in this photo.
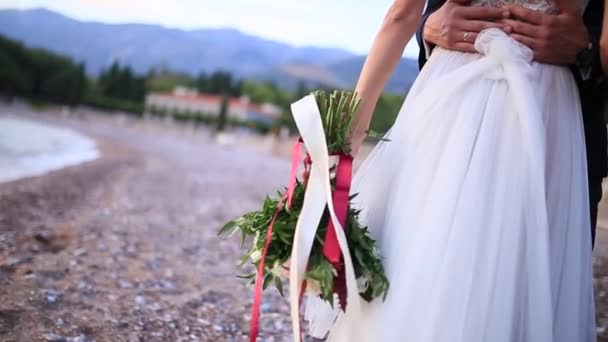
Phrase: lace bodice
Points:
(545, 6)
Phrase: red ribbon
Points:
(254, 325)
(340, 197)
(331, 248)
(296, 155)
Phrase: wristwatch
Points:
(585, 60)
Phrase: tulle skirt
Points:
(479, 205)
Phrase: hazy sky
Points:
(349, 24)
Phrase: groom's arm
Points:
(453, 25)
(561, 39)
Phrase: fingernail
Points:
(505, 14)
(508, 29)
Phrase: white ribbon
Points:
(318, 195)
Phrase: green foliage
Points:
(270, 93)
(267, 92)
(338, 109)
(113, 104)
(164, 80)
(223, 115)
(121, 83)
(34, 73)
(219, 82)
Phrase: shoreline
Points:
(31, 149)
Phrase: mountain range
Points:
(145, 46)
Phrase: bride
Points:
(478, 200)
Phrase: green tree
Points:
(202, 83)
(166, 80)
(220, 82)
(223, 115)
(121, 83)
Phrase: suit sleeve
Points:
(593, 18)
(426, 48)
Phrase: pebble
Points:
(52, 296)
(54, 338)
(131, 249)
(102, 247)
(278, 325)
(203, 321)
(16, 261)
(124, 284)
(80, 252)
(140, 300)
(167, 284)
(44, 237)
(266, 307)
(79, 338)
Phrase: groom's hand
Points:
(455, 25)
(554, 38)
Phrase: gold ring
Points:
(466, 36)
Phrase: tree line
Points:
(40, 75)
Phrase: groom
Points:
(565, 38)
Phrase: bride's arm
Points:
(397, 29)
(604, 40)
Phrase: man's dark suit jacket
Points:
(593, 92)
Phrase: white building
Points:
(186, 100)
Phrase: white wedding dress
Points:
(479, 205)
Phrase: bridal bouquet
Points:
(309, 230)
